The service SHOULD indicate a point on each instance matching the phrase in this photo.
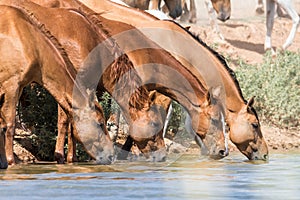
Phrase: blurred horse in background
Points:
(290, 10)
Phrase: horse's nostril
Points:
(110, 158)
(266, 157)
(222, 153)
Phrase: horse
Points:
(3, 126)
(241, 117)
(30, 53)
(119, 79)
(288, 7)
(174, 7)
(204, 110)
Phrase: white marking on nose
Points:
(224, 132)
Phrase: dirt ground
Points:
(244, 39)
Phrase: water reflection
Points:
(187, 178)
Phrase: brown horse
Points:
(119, 79)
(241, 117)
(201, 108)
(29, 53)
(194, 98)
(204, 111)
(3, 126)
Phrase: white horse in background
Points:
(289, 9)
(156, 13)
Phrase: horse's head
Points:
(174, 7)
(211, 126)
(3, 161)
(223, 9)
(245, 133)
(91, 131)
(146, 131)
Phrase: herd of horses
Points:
(79, 49)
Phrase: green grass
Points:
(276, 85)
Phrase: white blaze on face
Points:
(224, 132)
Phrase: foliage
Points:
(38, 109)
(108, 105)
(276, 85)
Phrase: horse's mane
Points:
(122, 65)
(219, 56)
(33, 20)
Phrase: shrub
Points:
(276, 85)
(38, 109)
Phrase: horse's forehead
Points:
(249, 116)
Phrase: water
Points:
(186, 177)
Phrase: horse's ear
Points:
(152, 95)
(188, 28)
(250, 102)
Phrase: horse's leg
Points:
(62, 126)
(270, 6)
(186, 13)
(259, 7)
(71, 156)
(9, 113)
(154, 5)
(125, 148)
(213, 18)
(193, 16)
(287, 6)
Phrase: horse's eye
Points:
(3, 130)
(101, 124)
(255, 125)
(154, 124)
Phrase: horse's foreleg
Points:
(193, 16)
(287, 6)
(62, 126)
(270, 6)
(259, 7)
(9, 113)
(213, 18)
(154, 5)
(71, 156)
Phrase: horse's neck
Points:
(170, 76)
(56, 72)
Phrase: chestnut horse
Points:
(204, 111)
(120, 79)
(3, 161)
(29, 53)
(245, 131)
(154, 58)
